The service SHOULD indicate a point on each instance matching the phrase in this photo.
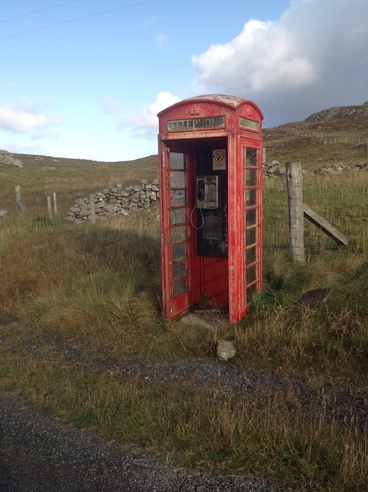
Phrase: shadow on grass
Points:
(134, 255)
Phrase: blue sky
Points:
(86, 78)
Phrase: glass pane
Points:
(250, 256)
(250, 237)
(177, 198)
(250, 217)
(178, 216)
(251, 275)
(251, 177)
(180, 286)
(249, 292)
(250, 197)
(251, 157)
(178, 234)
(177, 179)
(180, 268)
(177, 160)
(178, 251)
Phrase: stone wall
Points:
(116, 200)
(275, 169)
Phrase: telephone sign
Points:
(210, 167)
(196, 123)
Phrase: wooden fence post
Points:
(55, 204)
(93, 209)
(18, 200)
(49, 209)
(18, 195)
(296, 213)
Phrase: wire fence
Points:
(52, 204)
(325, 139)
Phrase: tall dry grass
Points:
(88, 304)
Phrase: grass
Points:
(312, 151)
(88, 300)
(90, 341)
(39, 179)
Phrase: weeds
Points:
(88, 301)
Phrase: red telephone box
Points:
(210, 168)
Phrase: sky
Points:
(86, 78)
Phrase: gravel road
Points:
(40, 454)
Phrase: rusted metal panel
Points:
(315, 296)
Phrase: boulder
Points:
(225, 350)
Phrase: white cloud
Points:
(148, 117)
(25, 118)
(263, 56)
(313, 57)
(146, 120)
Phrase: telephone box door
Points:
(251, 158)
(176, 233)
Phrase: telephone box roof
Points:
(223, 99)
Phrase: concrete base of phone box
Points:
(212, 319)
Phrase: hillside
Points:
(332, 136)
(40, 176)
(341, 118)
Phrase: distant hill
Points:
(332, 136)
(41, 176)
(305, 141)
(343, 117)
